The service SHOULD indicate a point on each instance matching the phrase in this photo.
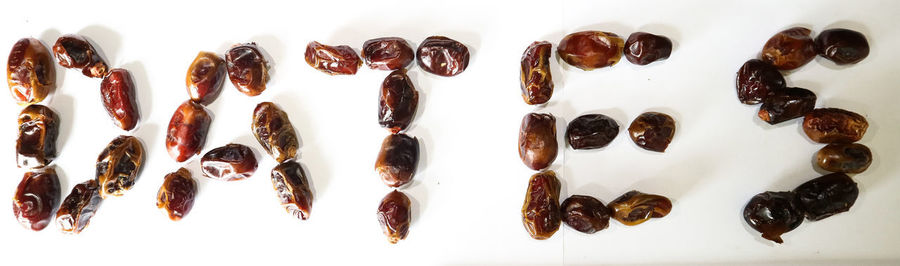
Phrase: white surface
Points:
(470, 185)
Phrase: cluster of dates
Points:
(760, 81)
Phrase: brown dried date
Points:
(652, 131)
(833, 125)
(635, 207)
(292, 189)
(827, 195)
(842, 46)
(38, 130)
(540, 212)
(230, 162)
(786, 104)
(394, 216)
(397, 160)
(119, 98)
(74, 51)
(537, 140)
(247, 68)
(30, 72)
(205, 78)
(36, 198)
(789, 49)
(442, 56)
(187, 131)
(389, 53)
(643, 48)
(176, 195)
(591, 131)
(274, 131)
(79, 207)
(773, 214)
(585, 214)
(844, 158)
(534, 76)
(398, 101)
(332, 60)
(589, 50)
(118, 165)
(756, 80)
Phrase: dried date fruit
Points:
(635, 207)
(397, 160)
(119, 98)
(540, 212)
(394, 215)
(591, 131)
(118, 165)
(851, 158)
(786, 104)
(398, 101)
(274, 131)
(589, 50)
(842, 46)
(442, 56)
(773, 214)
(827, 195)
(756, 80)
(187, 131)
(230, 162)
(332, 60)
(79, 207)
(205, 78)
(176, 195)
(36, 198)
(537, 140)
(833, 125)
(247, 68)
(30, 72)
(38, 130)
(74, 51)
(652, 131)
(585, 214)
(643, 48)
(389, 53)
(789, 49)
(292, 188)
(535, 79)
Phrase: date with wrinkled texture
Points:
(118, 165)
(789, 49)
(827, 195)
(643, 48)
(635, 207)
(247, 68)
(36, 142)
(842, 46)
(205, 78)
(332, 60)
(535, 78)
(773, 214)
(756, 80)
(397, 160)
(292, 188)
(589, 50)
(388, 53)
(274, 131)
(833, 125)
(851, 158)
(585, 214)
(187, 131)
(36, 198)
(30, 72)
(394, 215)
(79, 207)
(540, 212)
(591, 131)
(786, 104)
(442, 56)
(176, 195)
(228, 163)
(119, 98)
(74, 51)
(397, 102)
(652, 131)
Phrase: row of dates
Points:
(438, 55)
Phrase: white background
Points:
(468, 192)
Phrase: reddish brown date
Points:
(74, 51)
(36, 198)
(38, 130)
(535, 79)
(119, 98)
(79, 207)
(634, 207)
(389, 53)
(275, 132)
(842, 46)
(789, 49)
(827, 195)
(537, 140)
(292, 188)
(398, 101)
(833, 125)
(786, 104)
(118, 165)
(442, 56)
(585, 214)
(176, 195)
(589, 50)
(397, 160)
(30, 72)
(844, 158)
(643, 48)
(591, 131)
(228, 163)
(652, 131)
(187, 131)
(205, 78)
(756, 80)
(540, 212)
(394, 215)
(247, 68)
(332, 60)
(773, 214)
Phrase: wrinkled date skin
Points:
(119, 98)
(442, 56)
(756, 80)
(74, 51)
(394, 216)
(786, 104)
(537, 140)
(789, 49)
(589, 50)
(534, 76)
(79, 207)
(275, 132)
(36, 198)
(827, 195)
(389, 53)
(38, 130)
(205, 78)
(652, 131)
(292, 189)
(833, 125)
(585, 214)
(842, 46)
(643, 48)
(30, 72)
(397, 160)
(398, 101)
(187, 131)
(228, 163)
(591, 131)
(540, 212)
(851, 158)
(634, 207)
(247, 68)
(118, 165)
(332, 60)
(176, 195)
(773, 214)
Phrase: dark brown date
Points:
(786, 104)
(398, 101)
(833, 125)
(397, 160)
(228, 163)
(205, 78)
(119, 98)
(74, 51)
(38, 129)
(585, 214)
(540, 212)
(652, 131)
(394, 215)
(842, 46)
(274, 131)
(535, 79)
(187, 131)
(827, 195)
(292, 189)
(844, 158)
(36, 198)
(332, 60)
(635, 207)
(643, 48)
(537, 140)
(591, 131)
(176, 195)
(442, 56)
(118, 165)
(773, 214)
(756, 80)
(789, 49)
(389, 53)
(79, 207)
(247, 68)
(589, 50)
(30, 71)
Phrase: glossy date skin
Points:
(274, 132)
(643, 48)
(247, 68)
(786, 104)
(827, 195)
(119, 98)
(118, 165)
(397, 102)
(74, 51)
(388, 53)
(30, 72)
(205, 78)
(589, 50)
(833, 125)
(756, 80)
(36, 142)
(442, 56)
(652, 131)
(79, 207)
(851, 158)
(773, 214)
(36, 198)
(540, 212)
(842, 46)
(585, 214)
(789, 49)
(332, 60)
(394, 215)
(537, 140)
(292, 188)
(535, 79)
(634, 207)
(177, 193)
(187, 131)
(591, 131)
(397, 160)
(229, 163)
